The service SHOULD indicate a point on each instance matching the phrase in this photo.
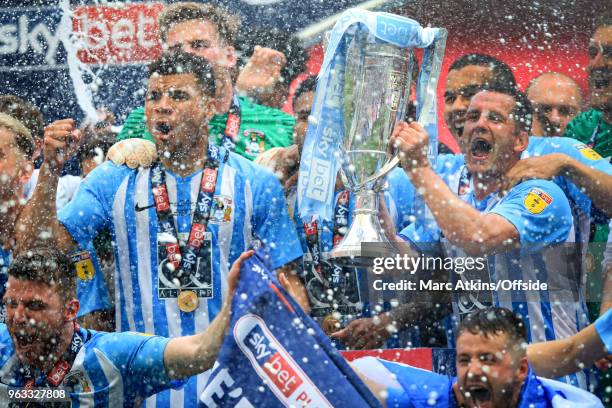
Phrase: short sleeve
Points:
(541, 146)
(140, 358)
(603, 325)
(271, 220)
(539, 211)
(92, 292)
(401, 193)
(90, 209)
(146, 368)
(582, 153)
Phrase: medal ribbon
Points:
(464, 182)
(341, 217)
(232, 125)
(185, 260)
(62, 367)
(313, 238)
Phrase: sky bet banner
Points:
(70, 57)
(274, 355)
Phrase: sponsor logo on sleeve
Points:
(587, 152)
(84, 266)
(537, 200)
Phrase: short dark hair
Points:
(307, 85)
(502, 73)
(46, 265)
(92, 140)
(523, 112)
(22, 110)
(180, 62)
(227, 24)
(492, 321)
(278, 40)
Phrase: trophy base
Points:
(365, 229)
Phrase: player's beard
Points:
(192, 139)
(44, 350)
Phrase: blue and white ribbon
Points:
(320, 158)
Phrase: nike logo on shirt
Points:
(138, 208)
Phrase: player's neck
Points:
(485, 184)
(188, 159)
(56, 351)
(223, 103)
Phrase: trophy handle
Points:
(436, 55)
(384, 170)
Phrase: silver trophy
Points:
(377, 90)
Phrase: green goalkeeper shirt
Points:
(261, 128)
(590, 128)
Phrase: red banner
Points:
(117, 35)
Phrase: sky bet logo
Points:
(275, 366)
(117, 34)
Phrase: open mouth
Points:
(163, 128)
(23, 339)
(478, 395)
(480, 149)
(553, 130)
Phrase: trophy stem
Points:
(365, 228)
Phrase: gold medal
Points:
(188, 301)
(330, 324)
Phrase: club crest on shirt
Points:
(83, 265)
(537, 200)
(254, 141)
(222, 209)
(587, 152)
(76, 382)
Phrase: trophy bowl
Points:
(377, 91)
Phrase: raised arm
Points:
(595, 183)
(38, 221)
(475, 232)
(557, 358)
(191, 355)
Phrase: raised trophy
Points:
(377, 91)
(363, 90)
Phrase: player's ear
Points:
(229, 55)
(208, 104)
(26, 167)
(521, 141)
(523, 369)
(71, 309)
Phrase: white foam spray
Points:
(76, 68)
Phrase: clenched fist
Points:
(262, 72)
(413, 144)
(133, 153)
(61, 140)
